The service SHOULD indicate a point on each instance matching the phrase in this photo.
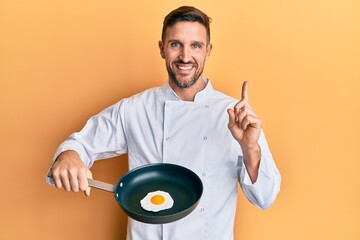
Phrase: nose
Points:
(185, 54)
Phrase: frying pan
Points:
(183, 185)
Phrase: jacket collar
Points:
(203, 95)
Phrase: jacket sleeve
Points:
(263, 192)
(103, 136)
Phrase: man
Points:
(185, 122)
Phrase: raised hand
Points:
(244, 124)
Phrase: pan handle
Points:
(94, 183)
(101, 185)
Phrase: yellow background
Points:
(63, 61)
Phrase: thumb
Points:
(232, 121)
(89, 175)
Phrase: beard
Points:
(183, 84)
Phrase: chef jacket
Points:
(155, 126)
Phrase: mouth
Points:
(184, 68)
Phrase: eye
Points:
(175, 44)
(197, 45)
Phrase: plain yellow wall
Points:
(63, 61)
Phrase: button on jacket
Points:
(156, 126)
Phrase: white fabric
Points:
(155, 126)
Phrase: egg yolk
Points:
(157, 199)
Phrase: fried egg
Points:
(157, 201)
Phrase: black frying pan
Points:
(184, 186)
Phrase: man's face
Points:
(185, 51)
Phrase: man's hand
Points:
(70, 173)
(245, 126)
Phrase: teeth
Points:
(185, 68)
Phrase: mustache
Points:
(182, 62)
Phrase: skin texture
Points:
(185, 50)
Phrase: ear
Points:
(208, 51)
(161, 47)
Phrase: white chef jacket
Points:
(156, 126)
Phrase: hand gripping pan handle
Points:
(95, 184)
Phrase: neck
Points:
(188, 94)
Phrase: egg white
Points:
(149, 206)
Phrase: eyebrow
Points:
(193, 42)
(200, 43)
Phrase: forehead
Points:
(186, 31)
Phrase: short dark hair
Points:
(186, 13)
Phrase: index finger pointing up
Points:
(244, 94)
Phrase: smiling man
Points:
(184, 122)
(185, 47)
